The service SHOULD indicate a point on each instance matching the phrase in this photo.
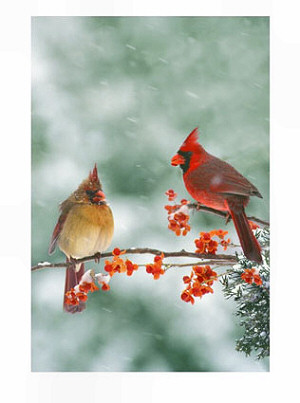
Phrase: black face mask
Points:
(187, 155)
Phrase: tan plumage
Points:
(85, 227)
(88, 229)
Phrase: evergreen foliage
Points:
(253, 305)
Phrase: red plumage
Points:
(218, 185)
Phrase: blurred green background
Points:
(124, 93)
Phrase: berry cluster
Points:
(118, 265)
(198, 283)
(80, 292)
(155, 268)
(205, 244)
(171, 194)
(178, 216)
(251, 276)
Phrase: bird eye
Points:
(90, 193)
(96, 196)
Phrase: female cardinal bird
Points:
(218, 185)
(85, 227)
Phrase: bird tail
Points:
(248, 241)
(73, 277)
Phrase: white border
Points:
(281, 383)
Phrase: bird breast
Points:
(88, 229)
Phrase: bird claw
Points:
(97, 257)
(198, 207)
(228, 218)
(73, 261)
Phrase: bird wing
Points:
(220, 177)
(56, 232)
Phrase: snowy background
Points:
(125, 92)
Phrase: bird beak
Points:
(99, 197)
(177, 160)
(100, 194)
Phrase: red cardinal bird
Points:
(85, 227)
(218, 185)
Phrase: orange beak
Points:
(177, 160)
(99, 196)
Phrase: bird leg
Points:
(73, 261)
(97, 257)
(198, 206)
(228, 218)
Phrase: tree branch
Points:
(207, 259)
(201, 207)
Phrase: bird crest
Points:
(192, 138)
(94, 175)
(191, 143)
(92, 182)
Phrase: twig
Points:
(206, 262)
(209, 259)
(200, 207)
